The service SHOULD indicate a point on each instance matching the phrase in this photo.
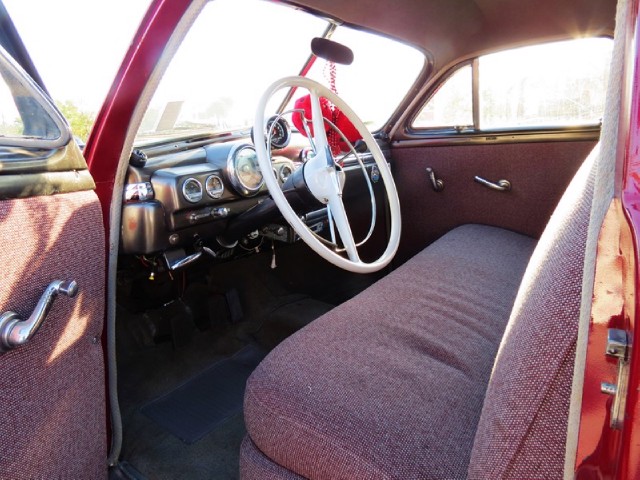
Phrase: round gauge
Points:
(192, 190)
(244, 171)
(285, 173)
(280, 131)
(214, 186)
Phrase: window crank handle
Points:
(14, 331)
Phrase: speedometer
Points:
(244, 171)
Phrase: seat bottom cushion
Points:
(254, 464)
(391, 383)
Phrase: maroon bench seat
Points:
(422, 376)
(391, 383)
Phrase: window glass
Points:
(562, 83)
(370, 87)
(452, 105)
(23, 118)
(549, 85)
(10, 122)
(92, 36)
(231, 54)
(237, 48)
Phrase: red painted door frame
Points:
(605, 452)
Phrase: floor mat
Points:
(195, 408)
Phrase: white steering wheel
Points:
(323, 179)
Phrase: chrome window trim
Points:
(450, 137)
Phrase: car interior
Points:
(236, 343)
(357, 240)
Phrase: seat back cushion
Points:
(522, 427)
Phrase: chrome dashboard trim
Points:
(285, 172)
(286, 130)
(188, 197)
(138, 192)
(214, 193)
(232, 173)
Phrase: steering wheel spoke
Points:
(341, 221)
(319, 133)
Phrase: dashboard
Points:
(186, 193)
(170, 195)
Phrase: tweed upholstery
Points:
(391, 383)
(52, 389)
(539, 172)
(523, 426)
(253, 464)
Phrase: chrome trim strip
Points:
(491, 138)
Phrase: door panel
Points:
(538, 172)
(52, 392)
(52, 387)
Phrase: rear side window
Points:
(557, 84)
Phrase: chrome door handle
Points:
(500, 185)
(15, 332)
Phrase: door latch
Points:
(618, 347)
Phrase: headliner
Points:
(453, 29)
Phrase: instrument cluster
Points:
(192, 192)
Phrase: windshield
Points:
(237, 48)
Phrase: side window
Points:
(26, 118)
(451, 105)
(34, 140)
(11, 124)
(550, 85)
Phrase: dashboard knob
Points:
(138, 158)
(220, 212)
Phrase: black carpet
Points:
(202, 403)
